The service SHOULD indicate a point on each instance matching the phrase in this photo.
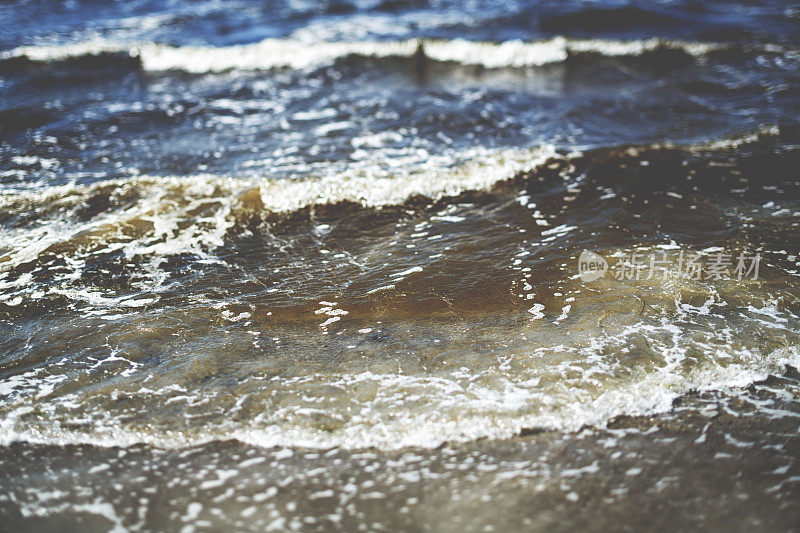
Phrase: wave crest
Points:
(296, 54)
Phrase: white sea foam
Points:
(165, 203)
(297, 54)
(459, 407)
(764, 132)
(433, 179)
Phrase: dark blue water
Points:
(78, 117)
(239, 22)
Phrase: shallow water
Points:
(714, 462)
(330, 239)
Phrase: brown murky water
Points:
(199, 352)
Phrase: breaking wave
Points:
(564, 388)
(297, 54)
(390, 330)
(162, 206)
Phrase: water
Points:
(315, 266)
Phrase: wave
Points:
(297, 54)
(506, 373)
(384, 411)
(439, 176)
(159, 214)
